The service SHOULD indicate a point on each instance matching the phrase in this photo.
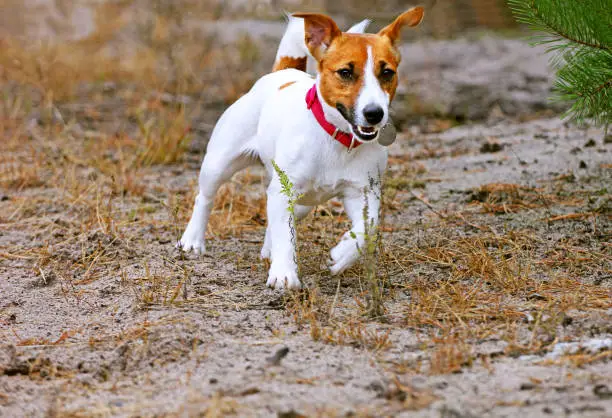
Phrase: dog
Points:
(321, 132)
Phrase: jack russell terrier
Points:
(324, 133)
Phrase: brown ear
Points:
(410, 18)
(320, 32)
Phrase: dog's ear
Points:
(410, 18)
(320, 31)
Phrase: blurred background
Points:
(214, 46)
(71, 59)
(66, 19)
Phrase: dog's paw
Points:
(343, 255)
(283, 277)
(192, 242)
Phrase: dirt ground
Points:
(105, 318)
(494, 263)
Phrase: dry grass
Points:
(164, 54)
(486, 286)
(238, 208)
(511, 198)
(492, 286)
(450, 356)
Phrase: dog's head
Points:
(357, 72)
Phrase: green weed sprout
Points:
(375, 306)
(288, 189)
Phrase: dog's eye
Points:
(387, 74)
(345, 74)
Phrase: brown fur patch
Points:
(284, 63)
(410, 18)
(286, 85)
(320, 30)
(386, 56)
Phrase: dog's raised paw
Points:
(343, 256)
(283, 278)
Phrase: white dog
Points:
(322, 132)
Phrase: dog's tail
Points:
(292, 51)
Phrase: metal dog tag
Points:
(387, 135)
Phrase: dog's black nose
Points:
(373, 113)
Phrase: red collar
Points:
(314, 104)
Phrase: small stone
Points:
(491, 147)
(250, 391)
(376, 386)
(280, 354)
(290, 414)
(602, 391)
(527, 386)
(567, 320)
(441, 385)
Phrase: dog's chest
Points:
(333, 177)
(314, 193)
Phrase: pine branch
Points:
(562, 34)
(603, 86)
(581, 22)
(586, 80)
(580, 35)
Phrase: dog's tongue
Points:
(387, 134)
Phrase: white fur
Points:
(269, 124)
(371, 93)
(359, 27)
(292, 43)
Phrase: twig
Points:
(569, 216)
(331, 310)
(15, 256)
(429, 205)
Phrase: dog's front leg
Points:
(280, 238)
(346, 253)
(300, 212)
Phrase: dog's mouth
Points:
(365, 133)
(362, 133)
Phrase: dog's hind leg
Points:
(232, 147)
(216, 170)
(227, 152)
